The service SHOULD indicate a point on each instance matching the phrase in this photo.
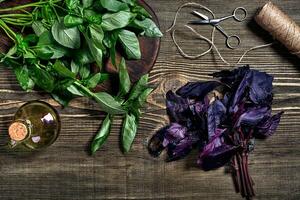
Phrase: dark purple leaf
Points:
(174, 134)
(180, 150)
(268, 126)
(253, 116)
(155, 145)
(197, 89)
(177, 107)
(216, 114)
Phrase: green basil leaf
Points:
(114, 5)
(129, 2)
(142, 12)
(47, 44)
(130, 44)
(96, 52)
(124, 78)
(93, 81)
(72, 21)
(73, 89)
(92, 17)
(84, 71)
(23, 78)
(9, 54)
(97, 35)
(68, 37)
(108, 103)
(72, 4)
(116, 20)
(63, 70)
(83, 56)
(102, 135)
(74, 67)
(38, 28)
(143, 97)
(42, 78)
(87, 3)
(128, 131)
(148, 27)
(138, 88)
(110, 41)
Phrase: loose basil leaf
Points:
(128, 131)
(102, 135)
(138, 88)
(72, 21)
(63, 70)
(23, 78)
(84, 71)
(124, 78)
(148, 27)
(72, 4)
(114, 5)
(143, 97)
(68, 37)
(130, 44)
(38, 28)
(116, 20)
(87, 3)
(93, 81)
(96, 52)
(48, 48)
(110, 41)
(42, 78)
(73, 89)
(108, 103)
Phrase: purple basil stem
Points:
(197, 89)
(268, 126)
(216, 114)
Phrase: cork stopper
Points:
(17, 131)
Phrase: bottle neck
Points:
(19, 131)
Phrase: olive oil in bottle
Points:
(36, 125)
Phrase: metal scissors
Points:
(232, 41)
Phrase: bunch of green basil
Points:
(67, 37)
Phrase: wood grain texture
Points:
(65, 171)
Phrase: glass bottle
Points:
(36, 125)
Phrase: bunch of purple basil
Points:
(220, 118)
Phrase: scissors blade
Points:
(200, 15)
(197, 22)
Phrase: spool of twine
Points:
(280, 26)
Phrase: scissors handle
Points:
(240, 14)
(233, 41)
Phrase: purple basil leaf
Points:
(155, 145)
(268, 126)
(260, 87)
(174, 134)
(218, 157)
(180, 150)
(253, 116)
(177, 107)
(216, 114)
(197, 89)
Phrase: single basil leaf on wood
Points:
(108, 103)
(114, 5)
(72, 21)
(72, 4)
(93, 81)
(63, 70)
(128, 131)
(138, 88)
(68, 37)
(47, 44)
(102, 135)
(23, 78)
(38, 28)
(42, 78)
(130, 44)
(87, 3)
(149, 28)
(116, 20)
(124, 79)
(73, 89)
(84, 71)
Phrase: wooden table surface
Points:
(66, 171)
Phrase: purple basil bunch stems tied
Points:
(221, 119)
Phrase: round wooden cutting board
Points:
(137, 68)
